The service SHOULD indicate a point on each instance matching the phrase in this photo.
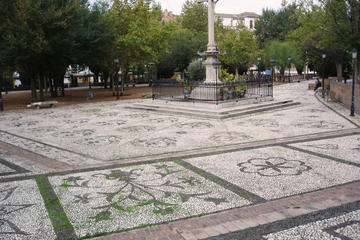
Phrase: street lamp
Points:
(272, 61)
(323, 76)
(354, 57)
(201, 69)
(116, 61)
(151, 64)
(259, 60)
(289, 59)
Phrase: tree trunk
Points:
(61, 79)
(237, 73)
(33, 88)
(55, 86)
(105, 79)
(1, 101)
(339, 72)
(112, 80)
(46, 79)
(41, 87)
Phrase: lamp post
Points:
(289, 59)
(259, 60)
(272, 61)
(354, 57)
(1, 101)
(116, 61)
(151, 64)
(323, 76)
(201, 63)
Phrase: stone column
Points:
(211, 26)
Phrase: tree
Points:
(139, 35)
(275, 25)
(196, 70)
(41, 38)
(240, 46)
(280, 51)
(187, 37)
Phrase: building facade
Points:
(248, 19)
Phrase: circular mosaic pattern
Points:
(155, 142)
(42, 130)
(226, 137)
(108, 114)
(137, 115)
(261, 123)
(76, 121)
(273, 167)
(137, 129)
(111, 123)
(196, 125)
(24, 124)
(74, 133)
(100, 141)
(320, 124)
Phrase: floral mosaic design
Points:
(100, 140)
(7, 227)
(155, 142)
(272, 123)
(228, 137)
(274, 167)
(320, 124)
(137, 129)
(195, 125)
(73, 133)
(132, 196)
(110, 123)
(29, 123)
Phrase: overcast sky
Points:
(227, 6)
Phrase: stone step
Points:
(193, 110)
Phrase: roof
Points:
(238, 16)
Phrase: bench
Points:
(42, 104)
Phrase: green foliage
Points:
(197, 70)
(280, 51)
(240, 46)
(226, 77)
(188, 36)
(275, 25)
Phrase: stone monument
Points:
(212, 51)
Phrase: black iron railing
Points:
(212, 92)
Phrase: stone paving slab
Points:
(256, 221)
(22, 212)
(346, 226)
(129, 197)
(276, 172)
(45, 150)
(86, 134)
(346, 148)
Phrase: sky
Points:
(227, 6)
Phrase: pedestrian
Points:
(317, 85)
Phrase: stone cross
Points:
(211, 24)
(211, 62)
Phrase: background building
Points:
(232, 20)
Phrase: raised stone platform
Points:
(214, 111)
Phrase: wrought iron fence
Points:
(213, 92)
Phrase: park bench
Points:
(42, 104)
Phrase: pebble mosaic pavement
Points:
(73, 149)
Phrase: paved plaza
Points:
(110, 171)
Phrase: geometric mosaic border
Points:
(17, 169)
